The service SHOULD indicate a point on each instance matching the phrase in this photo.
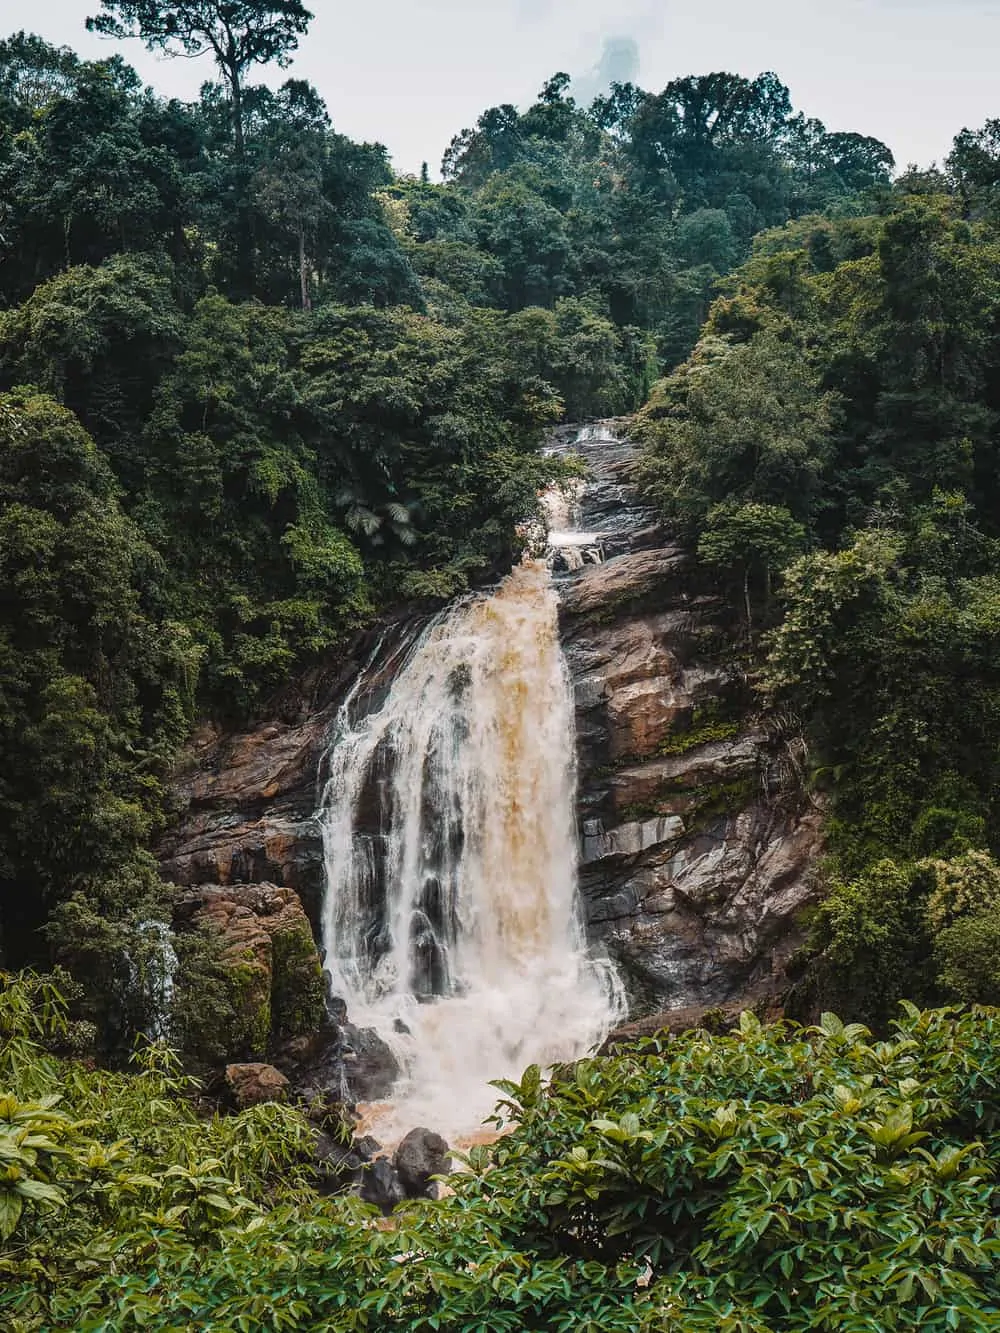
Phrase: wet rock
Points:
(336, 1005)
(255, 1084)
(247, 801)
(337, 1167)
(628, 582)
(421, 1155)
(370, 1066)
(381, 1185)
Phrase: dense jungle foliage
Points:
(776, 1179)
(254, 388)
(832, 447)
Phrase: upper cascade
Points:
(451, 921)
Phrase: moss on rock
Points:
(297, 981)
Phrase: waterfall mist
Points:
(451, 922)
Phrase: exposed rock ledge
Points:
(248, 803)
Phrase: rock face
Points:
(696, 848)
(271, 963)
(247, 802)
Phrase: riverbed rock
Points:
(255, 1084)
(371, 1067)
(421, 1155)
(381, 1185)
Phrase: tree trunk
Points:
(239, 139)
(245, 240)
(304, 271)
(746, 603)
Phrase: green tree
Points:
(744, 423)
(237, 35)
(754, 540)
(967, 956)
(94, 694)
(288, 184)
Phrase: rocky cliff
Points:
(696, 848)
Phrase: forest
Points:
(256, 392)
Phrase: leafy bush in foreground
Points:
(781, 1178)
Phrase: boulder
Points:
(369, 1065)
(270, 960)
(254, 1084)
(421, 1155)
(367, 1147)
(381, 1185)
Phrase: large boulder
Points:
(255, 1084)
(340, 1062)
(421, 1156)
(270, 960)
(371, 1069)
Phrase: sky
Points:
(411, 73)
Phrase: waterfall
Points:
(451, 922)
(152, 967)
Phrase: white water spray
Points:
(451, 922)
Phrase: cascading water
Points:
(451, 922)
(152, 969)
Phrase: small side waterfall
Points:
(451, 922)
(152, 969)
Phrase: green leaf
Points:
(11, 1205)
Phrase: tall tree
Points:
(238, 33)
